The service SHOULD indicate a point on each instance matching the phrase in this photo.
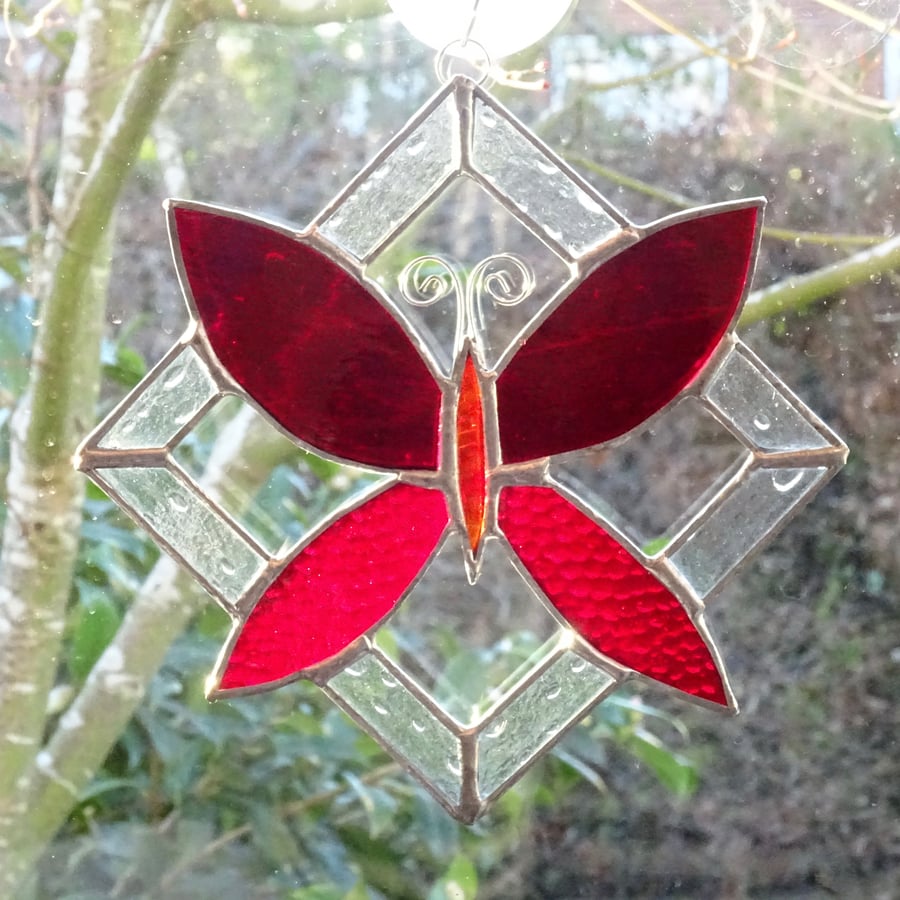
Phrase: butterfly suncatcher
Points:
(465, 433)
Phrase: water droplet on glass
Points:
(172, 382)
(579, 666)
(552, 695)
(379, 709)
(488, 119)
(548, 168)
(414, 149)
(116, 319)
(734, 182)
(227, 567)
(353, 673)
(553, 233)
(454, 767)
(785, 481)
(419, 728)
(497, 730)
(388, 682)
(589, 203)
(179, 504)
(762, 422)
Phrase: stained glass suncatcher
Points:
(466, 389)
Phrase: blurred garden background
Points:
(119, 779)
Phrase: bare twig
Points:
(824, 238)
(745, 65)
(288, 811)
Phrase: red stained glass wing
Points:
(627, 339)
(309, 343)
(607, 596)
(339, 586)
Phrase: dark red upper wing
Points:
(309, 343)
(627, 339)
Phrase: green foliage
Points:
(279, 795)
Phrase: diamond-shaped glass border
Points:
(463, 132)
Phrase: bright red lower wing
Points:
(308, 342)
(628, 339)
(607, 596)
(337, 587)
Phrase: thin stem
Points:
(289, 810)
(744, 65)
(652, 75)
(879, 25)
(824, 238)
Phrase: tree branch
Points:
(824, 238)
(44, 492)
(244, 456)
(38, 787)
(795, 294)
(305, 13)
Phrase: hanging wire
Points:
(524, 79)
(472, 19)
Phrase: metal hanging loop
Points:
(475, 56)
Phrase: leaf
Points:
(459, 882)
(582, 768)
(674, 771)
(96, 625)
(273, 836)
(379, 806)
(122, 364)
(13, 259)
(100, 786)
(655, 545)
(107, 535)
(318, 892)
(438, 831)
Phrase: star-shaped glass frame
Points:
(486, 311)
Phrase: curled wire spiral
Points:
(503, 279)
(428, 279)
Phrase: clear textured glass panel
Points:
(658, 477)
(747, 516)
(300, 490)
(768, 419)
(568, 688)
(468, 644)
(466, 241)
(160, 410)
(536, 184)
(403, 722)
(393, 189)
(205, 541)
